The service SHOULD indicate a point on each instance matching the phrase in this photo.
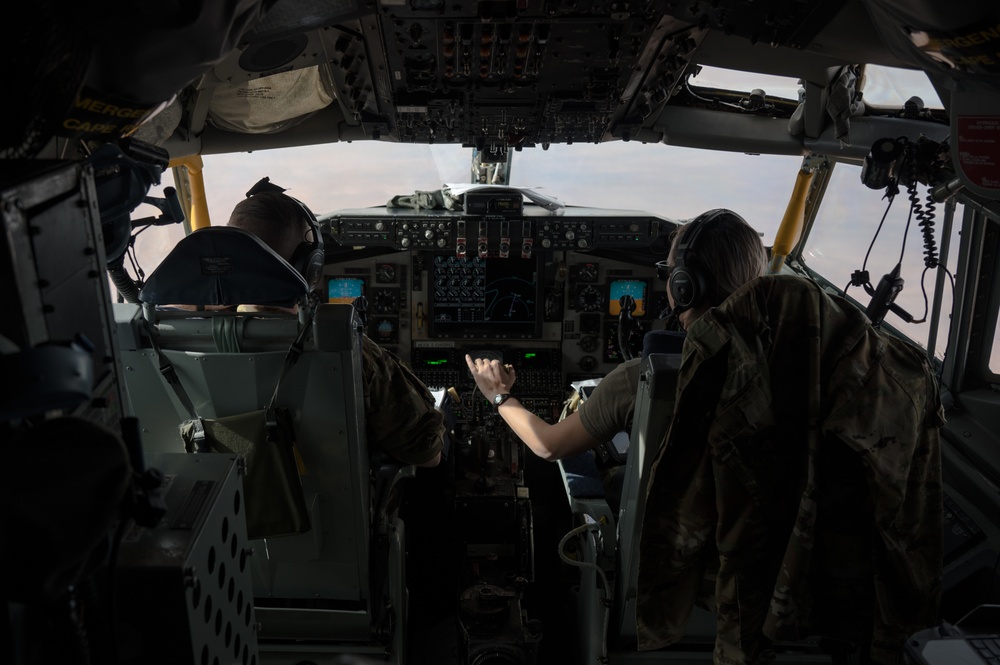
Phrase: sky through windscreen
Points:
(677, 183)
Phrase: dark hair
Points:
(274, 218)
(729, 251)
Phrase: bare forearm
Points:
(549, 441)
(563, 439)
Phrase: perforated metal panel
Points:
(183, 588)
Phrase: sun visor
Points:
(271, 103)
(958, 39)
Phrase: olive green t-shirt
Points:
(609, 408)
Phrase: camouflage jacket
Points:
(400, 414)
(799, 491)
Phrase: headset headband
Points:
(308, 258)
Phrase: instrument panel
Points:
(534, 229)
(540, 289)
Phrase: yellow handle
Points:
(197, 214)
(791, 224)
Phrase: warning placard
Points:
(978, 149)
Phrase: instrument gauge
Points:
(589, 299)
(385, 273)
(386, 301)
(587, 272)
(385, 331)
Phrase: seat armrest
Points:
(585, 492)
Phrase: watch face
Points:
(499, 398)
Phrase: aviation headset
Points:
(308, 257)
(689, 283)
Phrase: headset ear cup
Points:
(313, 271)
(686, 288)
(689, 285)
(308, 259)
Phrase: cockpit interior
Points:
(187, 479)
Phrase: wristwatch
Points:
(500, 398)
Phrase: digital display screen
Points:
(535, 359)
(344, 290)
(473, 297)
(627, 287)
(429, 361)
(425, 358)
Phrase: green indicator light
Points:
(437, 362)
(530, 355)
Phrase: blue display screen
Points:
(632, 287)
(345, 289)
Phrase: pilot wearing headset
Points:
(400, 415)
(710, 258)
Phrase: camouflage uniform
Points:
(399, 409)
(799, 488)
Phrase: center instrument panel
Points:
(538, 289)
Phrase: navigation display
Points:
(491, 298)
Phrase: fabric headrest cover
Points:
(223, 265)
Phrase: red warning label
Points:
(978, 149)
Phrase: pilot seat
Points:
(339, 587)
(894, 442)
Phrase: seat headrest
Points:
(223, 265)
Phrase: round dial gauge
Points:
(589, 299)
(587, 272)
(385, 273)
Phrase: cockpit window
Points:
(677, 183)
(892, 87)
(838, 244)
(995, 351)
(737, 81)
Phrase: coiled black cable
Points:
(925, 220)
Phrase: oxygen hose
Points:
(123, 282)
(600, 573)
